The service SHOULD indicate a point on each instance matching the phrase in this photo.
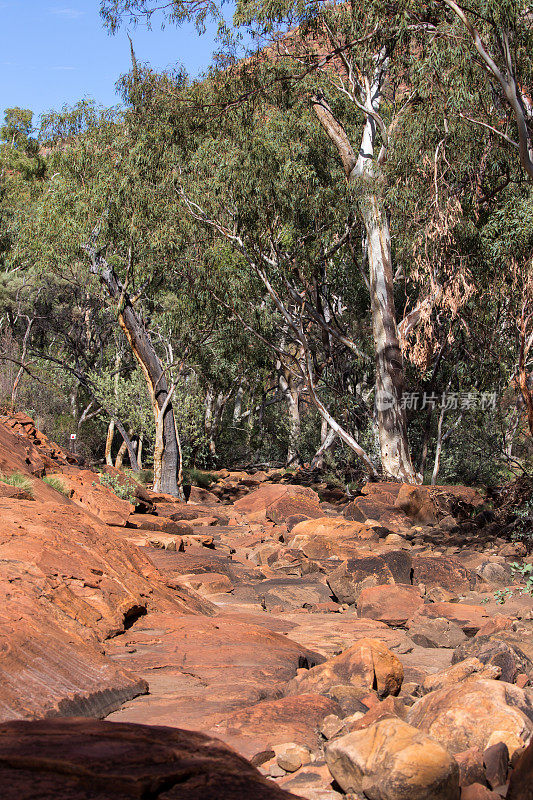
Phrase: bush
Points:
(20, 481)
(57, 484)
(198, 478)
(123, 490)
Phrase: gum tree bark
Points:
(365, 170)
(167, 461)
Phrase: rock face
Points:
(390, 760)
(66, 584)
(82, 759)
(472, 712)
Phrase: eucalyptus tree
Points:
(484, 52)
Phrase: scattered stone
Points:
(291, 757)
(508, 657)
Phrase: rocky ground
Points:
(319, 646)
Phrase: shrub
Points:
(57, 484)
(123, 490)
(198, 478)
(20, 481)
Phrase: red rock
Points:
(202, 669)
(393, 605)
(389, 490)
(495, 625)
(390, 707)
(470, 713)
(151, 522)
(13, 492)
(67, 582)
(496, 760)
(350, 578)
(370, 508)
(521, 783)
(143, 501)
(291, 504)
(208, 583)
(203, 496)
(83, 759)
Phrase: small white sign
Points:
(72, 436)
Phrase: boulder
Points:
(84, 759)
(291, 504)
(208, 583)
(259, 500)
(390, 760)
(468, 714)
(378, 509)
(368, 665)
(443, 571)
(292, 593)
(434, 631)
(416, 503)
(350, 578)
(459, 672)
(393, 605)
(382, 490)
(265, 725)
(470, 618)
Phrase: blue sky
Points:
(54, 52)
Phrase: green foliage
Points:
(122, 488)
(523, 572)
(18, 480)
(57, 484)
(198, 478)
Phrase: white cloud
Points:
(63, 69)
(67, 13)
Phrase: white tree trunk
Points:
(392, 427)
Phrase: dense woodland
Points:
(319, 254)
